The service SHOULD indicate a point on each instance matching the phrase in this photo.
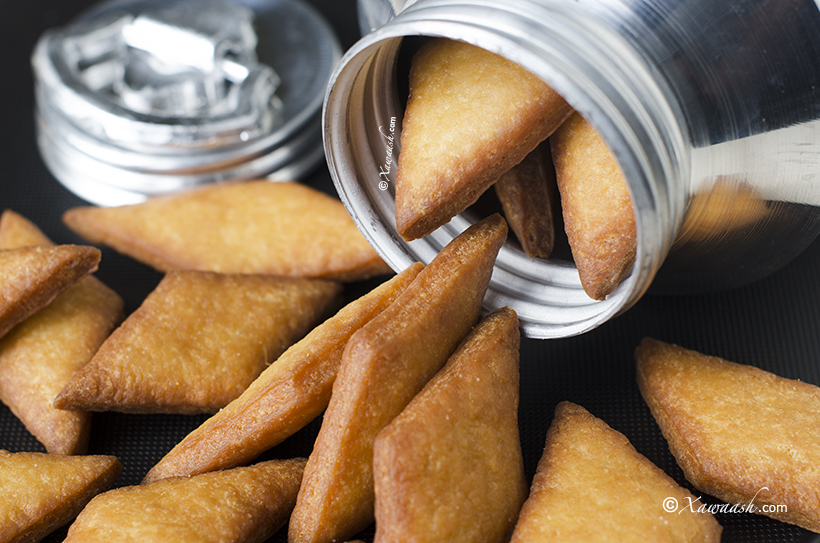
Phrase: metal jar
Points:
(711, 109)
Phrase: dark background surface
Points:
(772, 324)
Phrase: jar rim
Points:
(547, 295)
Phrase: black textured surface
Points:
(772, 324)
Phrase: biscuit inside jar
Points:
(474, 121)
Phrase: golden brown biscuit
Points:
(41, 492)
(239, 505)
(598, 215)
(592, 485)
(383, 366)
(449, 467)
(31, 277)
(739, 433)
(197, 342)
(471, 115)
(252, 227)
(40, 355)
(525, 196)
(286, 396)
(17, 231)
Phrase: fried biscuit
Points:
(239, 505)
(471, 115)
(525, 196)
(286, 396)
(450, 467)
(197, 342)
(592, 485)
(41, 492)
(739, 433)
(598, 217)
(40, 355)
(31, 277)
(252, 227)
(384, 365)
(17, 231)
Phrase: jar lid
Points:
(145, 97)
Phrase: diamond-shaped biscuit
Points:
(197, 342)
(592, 485)
(470, 117)
(41, 492)
(247, 504)
(31, 277)
(250, 227)
(598, 217)
(739, 433)
(40, 355)
(450, 467)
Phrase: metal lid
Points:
(145, 97)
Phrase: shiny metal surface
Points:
(138, 97)
(711, 108)
(375, 13)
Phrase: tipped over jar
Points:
(711, 109)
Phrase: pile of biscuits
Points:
(419, 395)
(218, 318)
(418, 391)
(475, 120)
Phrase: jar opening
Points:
(365, 101)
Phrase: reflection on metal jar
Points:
(711, 108)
